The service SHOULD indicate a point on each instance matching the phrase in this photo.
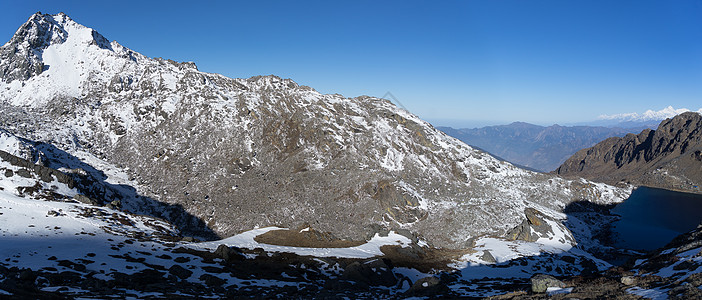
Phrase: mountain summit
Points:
(23, 55)
(242, 153)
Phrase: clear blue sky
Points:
(459, 63)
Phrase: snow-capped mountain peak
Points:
(648, 115)
(23, 56)
(52, 56)
(44, 30)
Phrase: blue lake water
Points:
(653, 217)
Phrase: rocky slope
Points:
(672, 272)
(668, 157)
(242, 153)
(58, 243)
(533, 146)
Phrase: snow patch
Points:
(653, 294)
(367, 250)
(557, 290)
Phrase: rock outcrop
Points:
(537, 226)
(668, 157)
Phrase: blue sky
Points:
(456, 63)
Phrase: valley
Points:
(535, 147)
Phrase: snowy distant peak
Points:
(649, 115)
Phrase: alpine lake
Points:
(651, 218)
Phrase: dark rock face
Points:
(46, 174)
(532, 146)
(668, 157)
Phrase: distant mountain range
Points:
(649, 115)
(536, 147)
(668, 157)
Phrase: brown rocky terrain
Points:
(157, 262)
(669, 157)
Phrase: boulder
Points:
(428, 286)
(85, 199)
(487, 257)
(229, 254)
(375, 272)
(541, 282)
(180, 272)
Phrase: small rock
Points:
(628, 280)
(541, 282)
(53, 213)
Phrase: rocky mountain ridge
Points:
(246, 153)
(668, 157)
